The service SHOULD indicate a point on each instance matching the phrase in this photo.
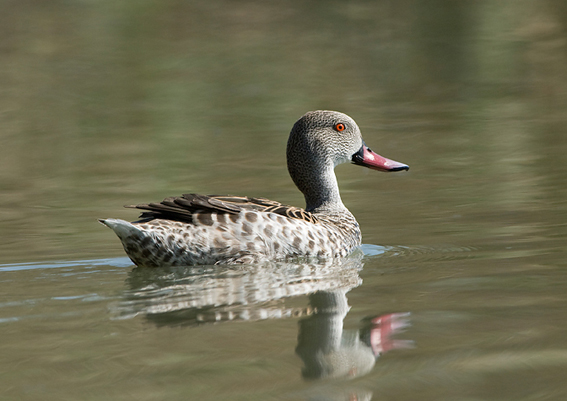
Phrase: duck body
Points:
(195, 229)
(211, 236)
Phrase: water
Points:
(460, 288)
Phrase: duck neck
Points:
(320, 189)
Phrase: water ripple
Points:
(88, 263)
(420, 253)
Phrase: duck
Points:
(194, 229)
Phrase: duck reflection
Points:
(327, 350)
(196, 295)
(192, 296)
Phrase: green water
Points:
(105, 103)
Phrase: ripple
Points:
(373, 250)
(420, 253)
(113, 262)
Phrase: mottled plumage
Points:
(206, 229)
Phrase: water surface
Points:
(459, 292)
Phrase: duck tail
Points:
(122, 228)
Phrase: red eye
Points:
(340, 127)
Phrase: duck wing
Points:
(182, 208)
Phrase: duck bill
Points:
(367, 158)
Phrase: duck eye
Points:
(340, 127)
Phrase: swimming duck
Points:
(195, 229)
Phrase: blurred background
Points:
(109, 103)
(106, 103)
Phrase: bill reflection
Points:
(330, 351)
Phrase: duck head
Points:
(319, 141)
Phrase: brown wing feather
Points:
(182, 208)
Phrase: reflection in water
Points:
(194, 295)
(104, 103)
(210, 294)
(329, 351)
